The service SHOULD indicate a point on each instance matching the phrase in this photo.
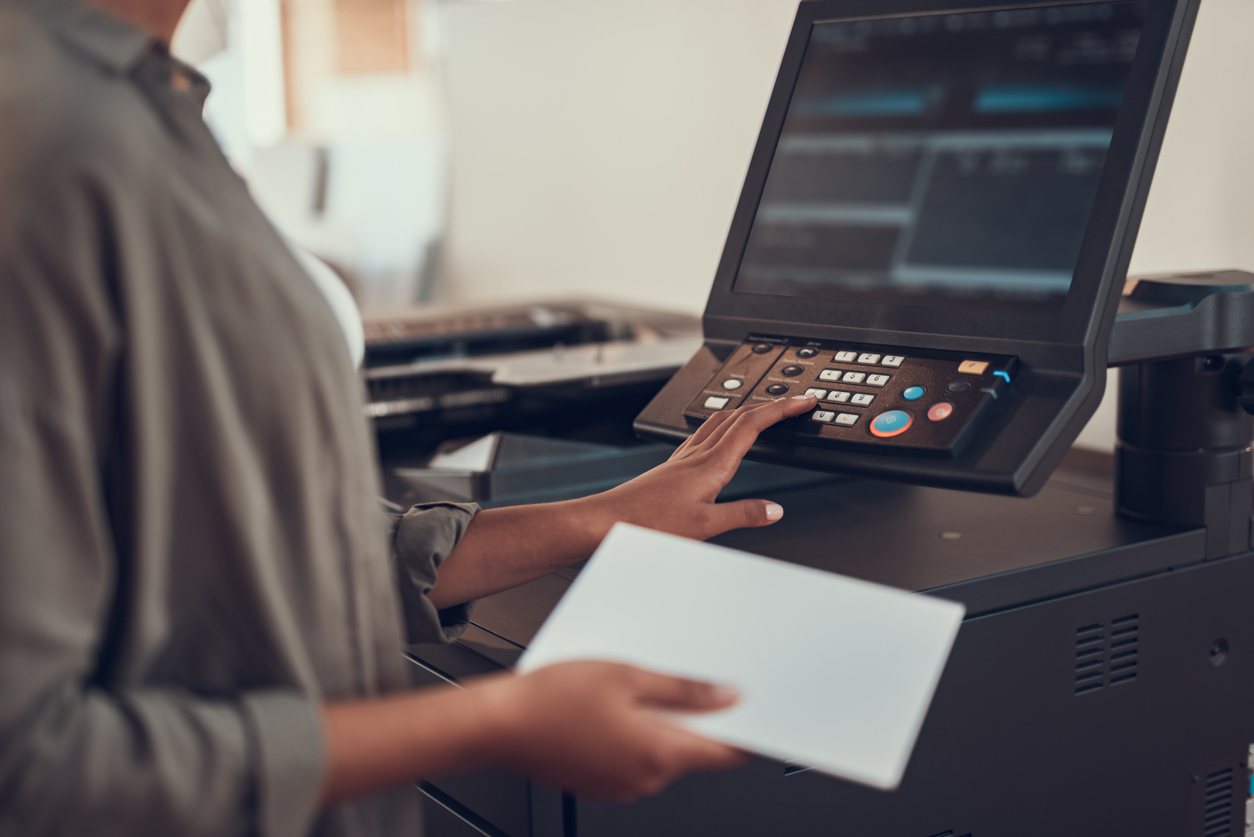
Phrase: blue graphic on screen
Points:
(868, 103)
(1026, 99)
(944, 159)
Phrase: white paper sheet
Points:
(834, 673)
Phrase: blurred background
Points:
(477, 151)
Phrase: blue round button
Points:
(913, 393)
(891, 423)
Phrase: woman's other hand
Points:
(679, 495)
(508, 546)
(593, 728)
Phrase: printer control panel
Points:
(921, 400)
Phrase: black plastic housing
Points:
(1185, 452)
(1062, 356)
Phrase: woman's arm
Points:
(587, 727)
(506, 547)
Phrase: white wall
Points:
(600, 147)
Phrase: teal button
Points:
(891, 423)
(913, 393)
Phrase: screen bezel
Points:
(1105, 249)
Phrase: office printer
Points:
(933, 237)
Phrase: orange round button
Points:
(940, 411)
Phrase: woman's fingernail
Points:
(724, 694)
(774, 511)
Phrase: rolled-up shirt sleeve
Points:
(422, 539)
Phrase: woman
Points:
(201, 609)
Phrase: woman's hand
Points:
(588, 727)
(505, 547)
(679, 495)
(593, 728)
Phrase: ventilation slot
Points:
(1090, 658)
(1123, 649)
(1106, 658)
(1217, 806)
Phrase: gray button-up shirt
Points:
(191, 554)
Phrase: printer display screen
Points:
(944, 160)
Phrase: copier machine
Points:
(933, 236)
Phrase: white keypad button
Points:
(845, 357)
(847, 419)
(892, 360)
(862, 399)
(823, 416)
(817, 393)
(853, 377)
(733, 383)
(839, 396)
(715, 402)
(830, 375)
(877, 380)
(868, 358)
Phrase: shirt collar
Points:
(100, 36)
